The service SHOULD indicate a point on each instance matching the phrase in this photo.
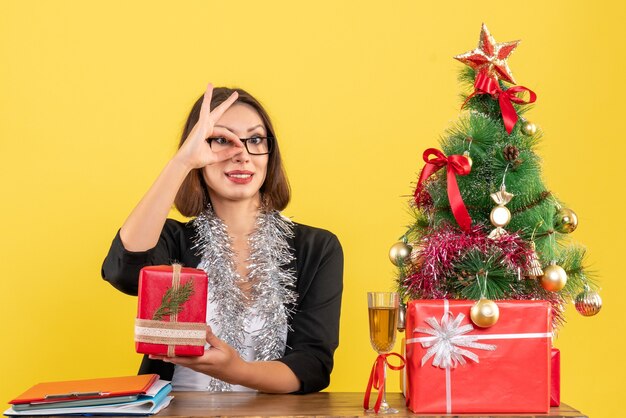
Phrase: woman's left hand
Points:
(220, 361)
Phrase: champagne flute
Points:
(383, 318)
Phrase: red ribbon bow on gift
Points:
(485, 84)
(377, 379)
(456, 165)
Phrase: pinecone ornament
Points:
(511, 153)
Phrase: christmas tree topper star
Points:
(490, 56)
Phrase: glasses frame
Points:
(270, 143)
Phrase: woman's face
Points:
(240, 177)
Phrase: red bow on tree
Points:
(456, 165)
(486, 84)
(377, 379)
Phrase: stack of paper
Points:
(130, 395)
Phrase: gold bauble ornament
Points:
(588, 303)
(529, 128)
(484, 313)
(469, 159)
(554, 277)
(399, 252)
(565, 221)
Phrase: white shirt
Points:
(187, 379)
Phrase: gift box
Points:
(555, 377)
(453, 366)
(171, 312)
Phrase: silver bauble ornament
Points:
(588, 303)
(399, 252)
(565, 221)
(554, 277)
(484, 313)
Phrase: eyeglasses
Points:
(257, 145)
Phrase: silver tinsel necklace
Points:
(272, 283)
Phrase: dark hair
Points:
(193, 195)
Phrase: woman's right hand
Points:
(143, 226)
(223, 362)
(196, 151)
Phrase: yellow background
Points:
(93, 96)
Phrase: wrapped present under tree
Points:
(457, 367)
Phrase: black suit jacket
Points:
(314, 333)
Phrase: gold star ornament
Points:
(490, 57)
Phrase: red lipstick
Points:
(240, 176)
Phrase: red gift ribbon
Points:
(456, 165)
(485, 84)
(377, 379)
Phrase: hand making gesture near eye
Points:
(196, 151)
(143, 226)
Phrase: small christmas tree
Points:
(485, 225)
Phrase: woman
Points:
(274, 286)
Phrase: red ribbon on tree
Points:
(377, 379)
(486, 84)
(456, 165)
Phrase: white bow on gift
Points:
(448, 343)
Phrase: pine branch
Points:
(419, 226)
(483, 275)
(403, 271)
(572, 260)
(172, 301)
(533, 201)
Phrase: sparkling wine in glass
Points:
(383, 318)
